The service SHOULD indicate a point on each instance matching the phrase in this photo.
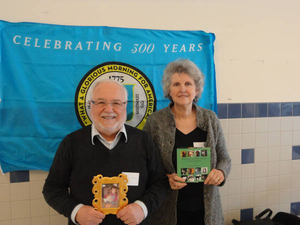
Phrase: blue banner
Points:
(46, 72)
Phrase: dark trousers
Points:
(190, 218)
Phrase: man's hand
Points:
(131, 214)
(87, 215)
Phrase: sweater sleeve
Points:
(148, 126)
(56, 186)
(157, 184)
(223, 158)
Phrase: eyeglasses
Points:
(113, 104)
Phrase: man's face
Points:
(108, 118)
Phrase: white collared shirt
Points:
(108, 144)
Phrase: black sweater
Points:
(77, 161)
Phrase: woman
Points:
(181, 125)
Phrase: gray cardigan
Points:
(161, 126)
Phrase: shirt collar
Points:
(95, 133)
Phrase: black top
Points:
(77, 161)
(190, 198)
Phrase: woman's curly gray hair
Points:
(183, 66)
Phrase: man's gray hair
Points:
(94, 85)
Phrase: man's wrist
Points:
(74, 213)
(143, 206)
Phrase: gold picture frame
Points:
(110, 193)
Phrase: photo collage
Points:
(193, 164)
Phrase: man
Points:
(107, 147)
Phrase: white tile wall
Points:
(235, 156)
(274, 124)
(261, 125)
(4, 178)
(234, 126)
(19, 191)
(296, 139)
(248, 171)
(273, 153)
(260, 155)
(5, 211)
(248, 140)
(296, 123)
(21, 222)
(23, 203)
(260, 185)
(39, 208)
(286, 123)
(286, 153)
(234, 187)
(248, 125)
(58, 220)
(5, 222)
(295, 194)
(273, 180)
(4, 192)
(20, 209)
(234, 141)
(41, 220)
(247, 201)
(260, 140)
(247, 186)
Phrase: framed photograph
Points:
(110, 193)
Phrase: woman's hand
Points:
(176, 182)
(215, 177)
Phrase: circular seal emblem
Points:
(141, 95)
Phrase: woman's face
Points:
(182, 89)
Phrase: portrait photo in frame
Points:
(110, 193)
